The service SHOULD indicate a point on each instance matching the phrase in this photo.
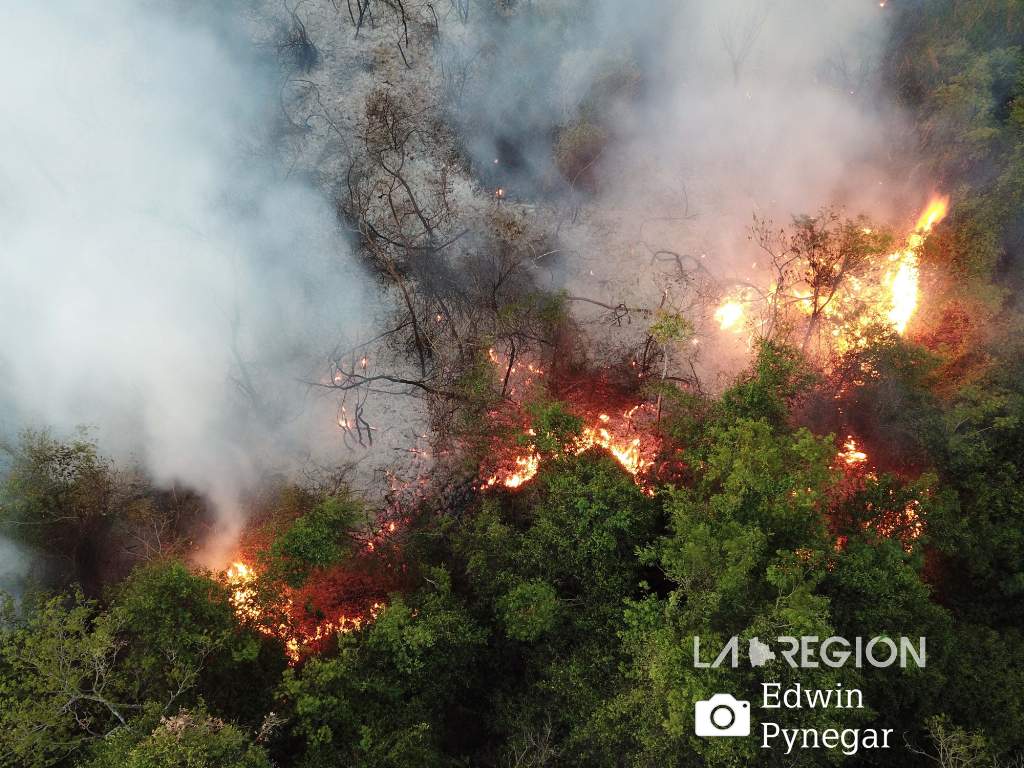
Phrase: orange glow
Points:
(527, 467)
(282, 621)
(933, 214)
(903, 276)
(851, 455)
(618, 434)
(729, 315)
(902, 283)
(889, 290)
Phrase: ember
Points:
(906, 524)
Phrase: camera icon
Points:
(722, 715)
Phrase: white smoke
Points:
(163, 279)
(739, 108)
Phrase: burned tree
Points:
(297, 44)
(818, 265)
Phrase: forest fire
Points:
(905, 524)
(902, 280)
(621, 435)
(300, 629)
(881, 290)
(307, 617)
(851, 455)
(729, 315)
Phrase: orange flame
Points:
(241, 579)
(903, 278)
(851, 455)
(729, 315)
(618, 435)
(933, 214)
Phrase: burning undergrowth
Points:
(543, 408)
(326, 571)
(567, 413)
(833, 283)
(867, 500)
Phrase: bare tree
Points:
(813, 263)
(739, 38)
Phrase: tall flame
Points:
(933, 214)
(902, 280)
(903, 289)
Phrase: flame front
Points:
(902, 280)
(903, 290)
(888, 290)
(619, 435)
(932, 215)
(242, 579)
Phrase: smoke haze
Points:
(168, 279)
(163, 279)
(705, 115)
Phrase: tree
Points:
(183, 643)
(61, 497)
(392, 695)
(189, 739)
(323, 537)
(61, 680)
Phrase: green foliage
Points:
(952, 745)
(321, 538)
(670, 326)
(59, 496)
(556, 625)
(183, 642)
(986, 672)
(554, 426)
(186, 740)
(745, 555)
(381, 700)
(61, 683)
(529, 610)
(981, 529)
(897, 400)
(779, 375)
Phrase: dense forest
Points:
(530, 595)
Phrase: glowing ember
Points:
(851, 455)
(906, 524)
(283, 621)
(729, 315)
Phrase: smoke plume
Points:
(165, 280)
(680, 122)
